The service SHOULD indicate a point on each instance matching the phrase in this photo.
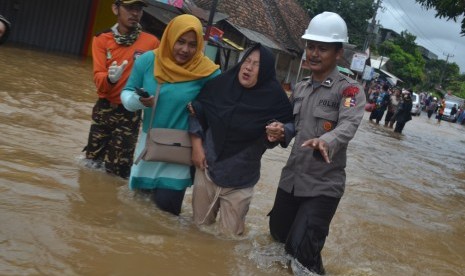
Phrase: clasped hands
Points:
(275, 133)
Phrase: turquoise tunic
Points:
(171, 112)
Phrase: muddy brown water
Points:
(402, 213)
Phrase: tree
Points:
(407, 66)
(406, 41)
(437, 68)
(355, 13)
(447, 9)
(457, 86)
(406, 60)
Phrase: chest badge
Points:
(327, 126)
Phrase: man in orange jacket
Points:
(114, 130)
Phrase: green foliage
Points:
(452, 80)
(406, 41)
(457, 88)
(405, 61)
(447, 9)
(449, 73)
(355, 12)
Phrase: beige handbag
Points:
(166, 144)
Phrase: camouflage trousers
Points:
(112, 137)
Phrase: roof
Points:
(345, 70)
(378, 62)
(395, 79)
(162, 12)
(202, 14)
(258, 37)
(280, 21)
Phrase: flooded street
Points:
(402, 212)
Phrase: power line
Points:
(425, 41)
(414, 25)
(411, 26)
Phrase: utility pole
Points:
(210, 20)
(371, 30)
(444, 69)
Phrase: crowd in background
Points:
(397, 104)
(432, 105)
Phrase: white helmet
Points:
(327, 27)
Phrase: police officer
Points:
(327, 108)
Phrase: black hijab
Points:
(237, 115)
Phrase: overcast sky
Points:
(440, 36)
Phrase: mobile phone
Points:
(141, 92)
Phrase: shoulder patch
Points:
(350, 91)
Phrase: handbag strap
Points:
(157, 92)
(144, 151)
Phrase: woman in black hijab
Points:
(229, 139)
(403, 113)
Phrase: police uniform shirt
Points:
(331, 111)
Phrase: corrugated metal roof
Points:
(258, 37)
(396, 79)
(162, 12)
(48, 24)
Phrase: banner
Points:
(368, 73)
(358, 62)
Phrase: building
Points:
(384, 34)
(68, 26)
(427, 54)
(277, 24)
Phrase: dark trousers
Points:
(379, 115)
(166, 199)
(302, 223)
(399, 127)
(430, 113)
(388, 117)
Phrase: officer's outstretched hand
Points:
(115, 71)
(320, 145)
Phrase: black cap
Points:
(129, 2)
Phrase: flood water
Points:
(402, 213)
